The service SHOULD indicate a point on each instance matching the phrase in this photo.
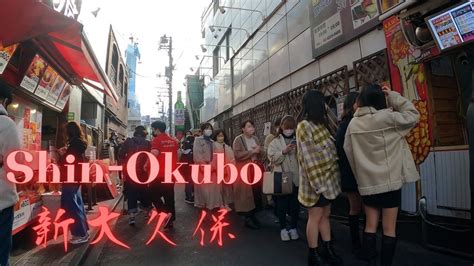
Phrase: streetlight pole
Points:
(167, 43)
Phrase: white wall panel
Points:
(279, 65)
(345, 55)
(372, 42)
(300, 51)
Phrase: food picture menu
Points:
(56, 90)
(5, 55)
(46, 83)
(34, 73)
(64, 96)
(454, 26)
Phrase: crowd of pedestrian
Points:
(368, 159)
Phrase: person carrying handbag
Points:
(282, 156)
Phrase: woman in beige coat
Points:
(282, 156)
(221, 146)
(206, 196)
(247, 198)
(379, 155)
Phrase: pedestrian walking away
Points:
(162, 195)
(133, 190)
(71, 197)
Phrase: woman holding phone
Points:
(282, 153)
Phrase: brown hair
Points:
(74, 130)
(289, 121)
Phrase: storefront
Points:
(431, 59)
(45, 60)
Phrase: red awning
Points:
(60, 36)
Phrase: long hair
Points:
(219, 131)
(349, 102)
(372, 96)
(313, 107)
(73, 130)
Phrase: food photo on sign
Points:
(5, 54)
(34, 73)
(56, 90)
(46, 82)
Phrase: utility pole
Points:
(167, 43)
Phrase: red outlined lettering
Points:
(162, 217)
(102, 222)
(13, 165)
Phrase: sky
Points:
(147, 21)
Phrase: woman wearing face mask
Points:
(221, 146)
(206, 196)
(247, 198)
(282, 154)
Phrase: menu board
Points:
(56, 90)
(454, 26)
(34, 73)
(335, 22)
(5, 55)
(64, 96)
(46, 82)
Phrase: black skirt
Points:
(390, 199)
(348, 183)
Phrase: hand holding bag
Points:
(277, 182)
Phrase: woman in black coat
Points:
(348, 181)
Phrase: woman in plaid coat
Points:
(319, 177)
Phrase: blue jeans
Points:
(71, 202)
(6, 224)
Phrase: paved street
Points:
(249, 248)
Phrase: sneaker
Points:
(75, 240)
(294, 234)
(285, 236)
(189, 200)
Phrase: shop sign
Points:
(34, 73)
(335, 22)
(70, 116)
(409, 78)
(5, 54)
(46, 82)
(454, 26)
(64, 97)
(56, 90)
(69, 8)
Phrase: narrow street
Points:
(250, 247)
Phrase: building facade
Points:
(132, 55)
(262, 56)
(116, 111)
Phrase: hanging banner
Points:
(64, 96)
(408, 77)
(34, 73)
(46, 82)
(336, 22)
(5, 54)
(56, 90)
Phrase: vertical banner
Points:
(34, 73)
(5, 54)
(408, 77)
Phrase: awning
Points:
(58, 35)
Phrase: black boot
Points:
(355, 234)
(315, 258)
(388, 250)
(368, 252)
(329, 254)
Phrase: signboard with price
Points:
(336, 22)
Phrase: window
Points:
(215, 61)
(121, 81)
(114, 65)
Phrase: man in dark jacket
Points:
(133, 190)
(187, 157)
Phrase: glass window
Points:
(260, 50)
(298, 19)
(277, 36)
